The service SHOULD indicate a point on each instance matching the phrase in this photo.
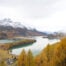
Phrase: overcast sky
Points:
(44, 15)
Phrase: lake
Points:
(6, 41)
(36, 47)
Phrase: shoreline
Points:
(23, 42)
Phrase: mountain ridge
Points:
(10, 28)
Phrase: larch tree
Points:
(22, 60)
(30, 58)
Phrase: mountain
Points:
(9, 22)
(8, 28)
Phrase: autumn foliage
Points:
(52, 55)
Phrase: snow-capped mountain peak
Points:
(9, 22)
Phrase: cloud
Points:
(41, 14)
(32, 8)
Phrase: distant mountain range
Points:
(10, 29)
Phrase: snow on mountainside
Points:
(9, 22)
(17, 28)
(10, 28)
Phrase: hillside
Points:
(9, 29)
(52, 55)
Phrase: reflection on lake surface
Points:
(6, 41)
(36, 47)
